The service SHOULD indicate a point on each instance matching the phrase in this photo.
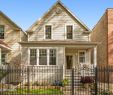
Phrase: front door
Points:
(69, 61)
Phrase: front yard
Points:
(36, 91)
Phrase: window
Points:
(42, 57)
(48, 31)
(82, 57)
(52, 57)
(33, 56)
(1, 32)
(69, 30)
(3, 58)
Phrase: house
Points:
(103, 33)
(10, 35)
(59, 38)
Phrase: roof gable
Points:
(66, 9)
(9, 20)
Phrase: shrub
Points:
(57, 83)
(105, 92)
(65, 82)
(36, 83)
(87, 79)
(61, 83)
(28, 84)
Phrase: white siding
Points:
(58, 22)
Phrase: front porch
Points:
(78, 57)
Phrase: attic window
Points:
(48, 31)
(1, 32)
(69, 29)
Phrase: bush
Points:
(105, 92)
(65, 82)
(61, 83)
(36, 83)
(57, 83)
(43, 83)
(87, 79)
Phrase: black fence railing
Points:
(52, 80)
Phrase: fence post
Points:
(96, 80)
(72, 81)
(108, 70)
(28, 80)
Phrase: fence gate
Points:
(81, 82)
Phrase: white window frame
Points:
(66, 31)
(79, 56)
(51, 31)
(47, 48)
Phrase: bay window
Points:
(33, 56)
(43, 56)
(52, 57)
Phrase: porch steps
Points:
(77, 78)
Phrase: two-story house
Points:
(59, 38)
(10, 35)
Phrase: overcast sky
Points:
(26, 12)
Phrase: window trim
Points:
(51, 31)
(85, 56)
(47, 48)
(66, 31)
(29, 56)
(4, 31)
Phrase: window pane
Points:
(3, 58)
(52, 57)
(69, 32)
(82, 57)
(42, 57)
(33, 56)
(1, 32)
(48, 32)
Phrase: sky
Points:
(25, 12)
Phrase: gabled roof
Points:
(71, 14)
(9, 20)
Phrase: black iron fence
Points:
(53, 80)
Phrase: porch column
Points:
(95, 56)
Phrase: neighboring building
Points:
(59, 38)
(103, 33)
(4, 49)
(10, 34)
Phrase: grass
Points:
(37, 91)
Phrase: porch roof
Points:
(61, 43)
